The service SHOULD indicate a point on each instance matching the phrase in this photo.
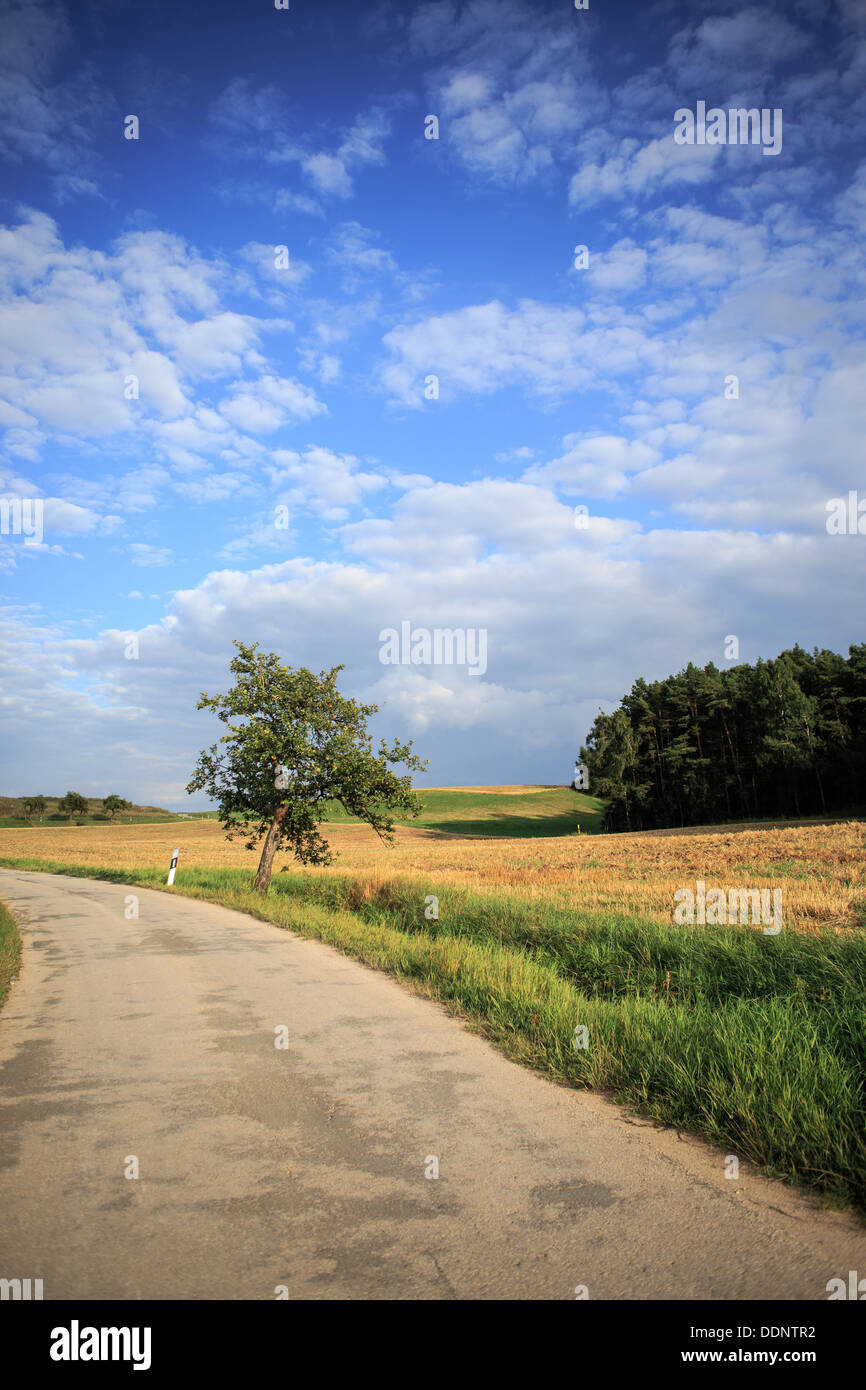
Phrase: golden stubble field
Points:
(821, 869)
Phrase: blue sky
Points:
(303, 386)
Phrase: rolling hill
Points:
(530, 812)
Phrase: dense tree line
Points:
(782, 738)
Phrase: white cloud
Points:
(44, 121)
(262, 406)
(735, 48)
(67, 518)
(256, 120)
(328, 174)
(327, 483)
(95, 346)
(542, 348)
(149, 556)
(636, 169)
(264, 259)
(571, 618)
(514, 86)
(353, 248)
(617, 271)
(595, 465)
(331, 171)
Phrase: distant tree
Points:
(113, 805)
(28, 809)
(294, 744)
(72, 804)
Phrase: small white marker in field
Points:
(174, 858)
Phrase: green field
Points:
(523, 815)
(548, 812)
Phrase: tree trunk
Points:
(271, 845)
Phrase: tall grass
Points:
(756, 1042)
(10, 950)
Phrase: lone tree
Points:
(72, 804)
(294, 743)
(113, 804)
(34, 806)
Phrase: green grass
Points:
(756, 1042)
(553, 811)
(10, 951)
(783, 868)
(527, 815)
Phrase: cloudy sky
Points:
(428, 407)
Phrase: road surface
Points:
(151, 1041)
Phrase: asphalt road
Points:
(304, 1167)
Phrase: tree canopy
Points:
(72, 804)
(784, 737)
(293, 745)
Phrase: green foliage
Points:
(72, 804)
(294, 743)
(34, 806)
(113, 805)
(782, 738)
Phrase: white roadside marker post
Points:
(174, 858)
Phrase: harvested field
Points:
(820, 868)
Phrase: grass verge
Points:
(10, 951)
(755, 1042)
